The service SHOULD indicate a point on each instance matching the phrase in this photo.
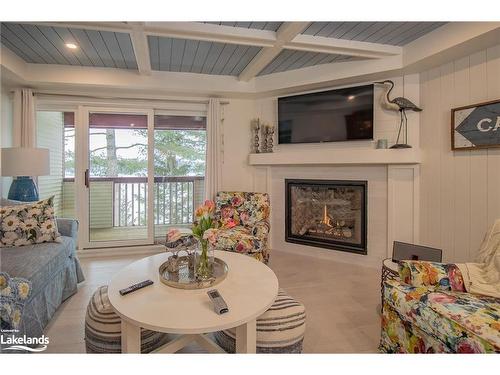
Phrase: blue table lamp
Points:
(23, 163)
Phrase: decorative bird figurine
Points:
(398, 104)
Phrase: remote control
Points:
(220, 306)
(133, 288)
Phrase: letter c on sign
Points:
(480, 126)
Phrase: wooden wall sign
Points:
(476, 126)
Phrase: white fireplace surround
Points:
(392, 206)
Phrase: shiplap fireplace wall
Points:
(392, 205)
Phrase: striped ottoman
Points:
(103, 328)
(279, 330)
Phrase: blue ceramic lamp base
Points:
(23, 189)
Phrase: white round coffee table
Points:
(249, 289)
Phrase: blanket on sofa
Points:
(14, 292)
(483, 276)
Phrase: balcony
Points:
(118, 205)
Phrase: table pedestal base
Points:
(246, 336)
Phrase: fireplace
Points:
(326, 213)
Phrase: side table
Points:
(389, 272)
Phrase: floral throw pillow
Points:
(28, 224)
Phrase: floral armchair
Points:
(429, 311)
(243, 223)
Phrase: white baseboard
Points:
(120, 251)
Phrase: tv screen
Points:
(329, 116)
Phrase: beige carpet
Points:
(341, 303)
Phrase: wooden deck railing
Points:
(175, 199)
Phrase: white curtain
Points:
(24, 132)
(213, 151)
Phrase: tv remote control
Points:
(133, 288)
(220, 306)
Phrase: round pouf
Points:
(103, 328)
(279, 330)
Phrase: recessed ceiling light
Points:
(350, 97)
(71, 45)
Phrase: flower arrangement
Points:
(203, 230)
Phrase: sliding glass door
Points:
(118, 177)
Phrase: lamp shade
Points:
(25, 161)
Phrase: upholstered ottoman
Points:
(279, 330)
(103, 328)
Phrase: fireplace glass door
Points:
(325, 213)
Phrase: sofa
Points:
(427, 310)
(243, 219)
(53, 271)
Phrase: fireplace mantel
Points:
(350, 156)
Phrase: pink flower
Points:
(227, 212)
(244, 216)
(456, 280)
(173, 235)
(468, 346)
(210, 205)
(441, 298)
(229, 224)
(236, 201)
(240, 247)
(210, 235)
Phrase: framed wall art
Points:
(476, 126)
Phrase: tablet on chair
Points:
(408, 251)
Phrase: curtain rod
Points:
(122, 98)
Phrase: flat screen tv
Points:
(329, 116)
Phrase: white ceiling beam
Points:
(141, 49)
(212, 33)
(115, 27)
(287, 32)
(322, 44)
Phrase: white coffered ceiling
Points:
(232, 59)
(243, 49)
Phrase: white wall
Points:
(460, 190)
(236, 173)
(6, 102)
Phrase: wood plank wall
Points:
(460, 190)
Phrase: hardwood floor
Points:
(341, 300)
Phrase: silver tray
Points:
(185, 278)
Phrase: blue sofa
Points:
(54, 272)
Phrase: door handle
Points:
(87, 179)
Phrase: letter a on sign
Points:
(476, 126)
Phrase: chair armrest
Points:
(261, 229)
(441, 276)
(67, 227)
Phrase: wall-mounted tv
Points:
(330, 116)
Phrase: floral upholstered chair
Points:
(243, 220)
(429, 311)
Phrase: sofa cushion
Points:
(238, 239)
(463, 321)
(37, 263)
